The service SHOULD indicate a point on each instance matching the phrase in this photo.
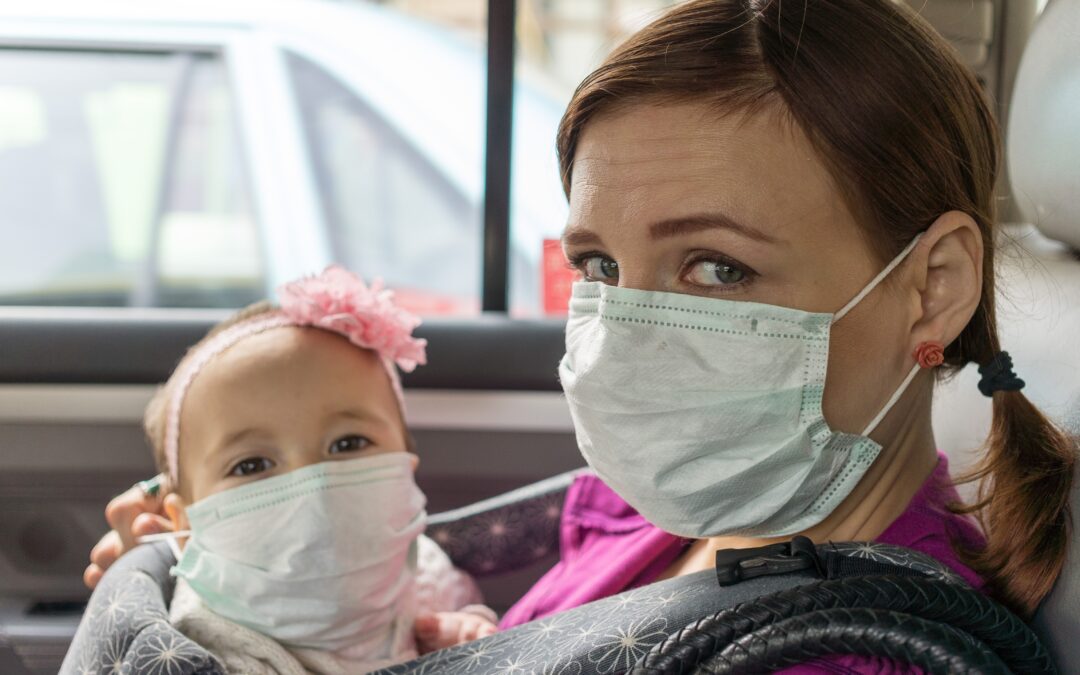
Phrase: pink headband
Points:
(336, 300)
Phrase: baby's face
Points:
(281, 400)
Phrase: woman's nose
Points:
(643, 277)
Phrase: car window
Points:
(558, 44)
(391, 213)
(121, 182)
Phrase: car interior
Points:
(492, 429)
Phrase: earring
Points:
(929, 354)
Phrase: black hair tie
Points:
(998, 375)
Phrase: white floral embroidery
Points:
(660, 601)
(624, 601)
(518, 664)
(164, 652)
(112, 657)
(581, 635)
(114, 612)
(475, 657)
(544, 632)
(561, 668)
(622, 648)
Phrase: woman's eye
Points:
(351, 443)
(250, 466)
(599, 268)
(715, 273)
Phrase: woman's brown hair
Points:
(908, 134)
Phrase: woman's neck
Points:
(907, 459)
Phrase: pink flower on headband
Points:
(340, 301)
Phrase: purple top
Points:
(608, 548)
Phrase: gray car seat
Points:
(125, 628)
(1044, 164)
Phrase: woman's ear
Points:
(176, 510)
(948, 269)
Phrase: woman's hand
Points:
(447, 629)
(132, 514)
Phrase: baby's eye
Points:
(597, 268)
(250, 466)
(715, 273)
(350, 443)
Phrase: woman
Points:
(763, 192)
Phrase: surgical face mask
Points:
(705, 414)
(323, 557)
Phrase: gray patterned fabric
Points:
(126, 625)
(505, 533)
(609, 636)
(126, 630)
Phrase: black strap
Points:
(839, 566)
(736, 565)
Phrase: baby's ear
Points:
(176, 510)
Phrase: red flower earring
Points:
(929, 354)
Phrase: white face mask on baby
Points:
(323, 557)
(705, 414)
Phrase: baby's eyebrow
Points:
(359, 414)
(241, 435)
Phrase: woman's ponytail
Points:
(1023, 503)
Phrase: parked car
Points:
(196, 154)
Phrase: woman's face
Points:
(680, 199)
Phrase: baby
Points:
(291, 488)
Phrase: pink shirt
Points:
(608, 548)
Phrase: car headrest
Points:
(1058, 620)
(1043, 142)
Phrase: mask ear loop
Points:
(901, 257)
(892, 401)
(878, 279)
(169, 538)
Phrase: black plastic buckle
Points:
(739, 564)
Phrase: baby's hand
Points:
(446, 629)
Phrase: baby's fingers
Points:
(92, 575)
(106, 551)
(436, 631)
(474, 628)
(426, 628)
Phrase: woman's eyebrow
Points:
(674, 227)
(574, 236)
